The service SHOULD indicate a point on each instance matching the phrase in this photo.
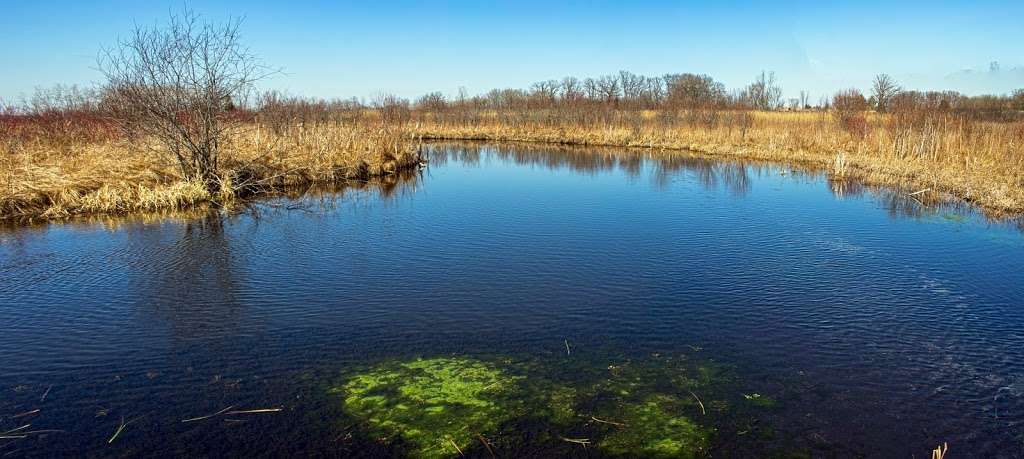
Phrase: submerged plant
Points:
(438, 406)
(450, 406)
(653, 428)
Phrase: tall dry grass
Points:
(46, 174)
(978, 161)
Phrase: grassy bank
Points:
(48, 173)
(980, 162)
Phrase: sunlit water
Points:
(879, 325)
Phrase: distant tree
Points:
(176, 83)
(434, 102)
(545, 93)
(883, 90)
(571, 90)
(1018, 99)
(608, 88)
(693, 91)
(764, 93)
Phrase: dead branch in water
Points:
(456, 447)
(486, 444)
(262, 410)
(120, 428)
(579, 441)
(602, 421)
(702, 410)
(200, 418)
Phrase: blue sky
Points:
(343, 49)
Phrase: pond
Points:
(520, 301)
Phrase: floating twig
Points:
(602, 421)
(940, 451)
(456, 447)
(486, 444)
(920, 192)
(261, 410)
(43, 398)
(27, 413)
(120, 428)
(118, 431)
(200, 418)
(702, 410)
(579, 441)
(15, 430)
(567, 350)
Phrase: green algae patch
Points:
(435, 406)
(653, 428)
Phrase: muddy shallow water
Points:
(644, 303)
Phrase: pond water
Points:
(523, 301)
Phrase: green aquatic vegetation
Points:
(653, 428)
(436, 406)
(440, 407)
(561, 405)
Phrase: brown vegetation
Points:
(63, 155)
(55, 166)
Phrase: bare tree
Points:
(608, 88)
(764, 93)
(883, 90)
(177, 83)
(571, 90)
(693, 91)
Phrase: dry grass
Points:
(42, 178)
(980, 162)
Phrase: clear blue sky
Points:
(343, 49)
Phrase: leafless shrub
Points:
(849, 106)
(764, 93)
(178, 84)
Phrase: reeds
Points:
(48, 176)
(979, 161)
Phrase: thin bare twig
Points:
(486, 444)
(702, 410)
(456, 447)
(200, 418)
(262, 410)
(602, 421)
(579, 441)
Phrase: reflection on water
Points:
(775, 310)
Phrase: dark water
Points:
(881, 326)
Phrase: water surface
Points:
(877, 324)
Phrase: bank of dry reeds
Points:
(978, 161)
(65, 166)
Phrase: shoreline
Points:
(993, 199)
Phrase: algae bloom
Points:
(436, 406)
